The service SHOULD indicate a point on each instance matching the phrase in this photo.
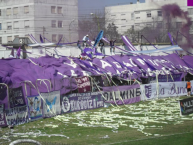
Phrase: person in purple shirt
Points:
(112, 47)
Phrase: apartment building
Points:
(50, 18)
(139, 15)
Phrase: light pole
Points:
(153, 21)
(70, 29)
(97, 20)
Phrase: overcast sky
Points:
(91, 6)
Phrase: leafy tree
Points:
(111, 32)
(93, 24)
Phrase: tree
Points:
(157, 32)
(111, 32)
(93, 24)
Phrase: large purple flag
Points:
(147, 69)
(128, 43)
(177, 62)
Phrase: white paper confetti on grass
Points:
(139, 115)
(106, 136)
(51, 125)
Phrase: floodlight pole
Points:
(97, 20)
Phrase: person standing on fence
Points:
(188, 86)
(112, 47)
(85, 39)
(79, 46)
(101, 44)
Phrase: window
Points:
(0, 27)
(26, 24)
(9, 39)
(148, 14)
(59, 10)
(0, 40)
(9, 26)
(15, 11)
(132, 16)
(26, 9)
(178, 24)
(53, 24)
(191, 27)
(53, 9)
(16, 25)
(159, 25)
(0, 12)
(53, 37)
(8, 11)
(132, 27)
(148, 24)
(137, 17)
(159, 13)
(60, 36)
(190, 11)
(137, 26)
(59, 24)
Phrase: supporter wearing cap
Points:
(85, 39)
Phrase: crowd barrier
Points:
(52, 103)
(162, 90)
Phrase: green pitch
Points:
(154, 122)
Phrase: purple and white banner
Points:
(167, 78)
(17, 115)
(83, 84)
(51, 104)
(34, 107)
(16, 97)
(2, 116)
(122, 94)
(79, 102)
(170, 89)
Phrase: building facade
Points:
(52, 19)
(139, 15)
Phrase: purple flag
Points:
(128, 43)
(177, 62)
(18, 52)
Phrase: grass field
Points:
(149, 123)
